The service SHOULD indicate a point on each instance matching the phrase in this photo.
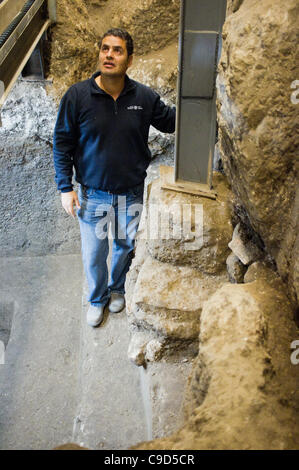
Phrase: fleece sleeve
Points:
(163, 117)
(65, 141)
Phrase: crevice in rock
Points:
(6, 319)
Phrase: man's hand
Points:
(68, 200)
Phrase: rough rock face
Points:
(168, 283)
(171, 301)
(243, 393)
(235, 269)
(243, 390)
(257, 123)
(206, 247)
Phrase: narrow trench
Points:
(147, 403)
(6, 318)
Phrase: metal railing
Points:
(20, 37)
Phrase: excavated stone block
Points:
(245, 250)
(258, 117)
(260, 270)
(243, 389)
(168, 299)
(203, 245)
(136, 350)
(235, 269)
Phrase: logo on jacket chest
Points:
(135, 107)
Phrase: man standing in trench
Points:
(102, 131)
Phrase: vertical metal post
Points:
(200, 32)
(52, 10)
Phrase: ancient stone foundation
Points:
(242, 391)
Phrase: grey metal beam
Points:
(195, 120)
(200, 30)
(204, 15)
(198, 64)
(52, 10)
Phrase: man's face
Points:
(113, 58)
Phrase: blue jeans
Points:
(99, 210)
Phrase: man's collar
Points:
(95, 89)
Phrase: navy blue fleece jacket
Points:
(106, 141)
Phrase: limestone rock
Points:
(233, 6)
(168, 299)
(235, 269)
(158, 69)
(144, 347)
(260, 270)
(245, 250)
(154, 350)
(258, 117)
(136, 351)
(160, 143)
(203, 245)
(243, 392)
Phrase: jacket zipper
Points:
(115, 107)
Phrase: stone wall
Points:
(175, 271)
(243, 391)
(258, 121)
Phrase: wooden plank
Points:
(168, 182)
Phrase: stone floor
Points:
(55, 368)
(38, 382)
(63, 381)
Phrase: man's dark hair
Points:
(119, 33)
